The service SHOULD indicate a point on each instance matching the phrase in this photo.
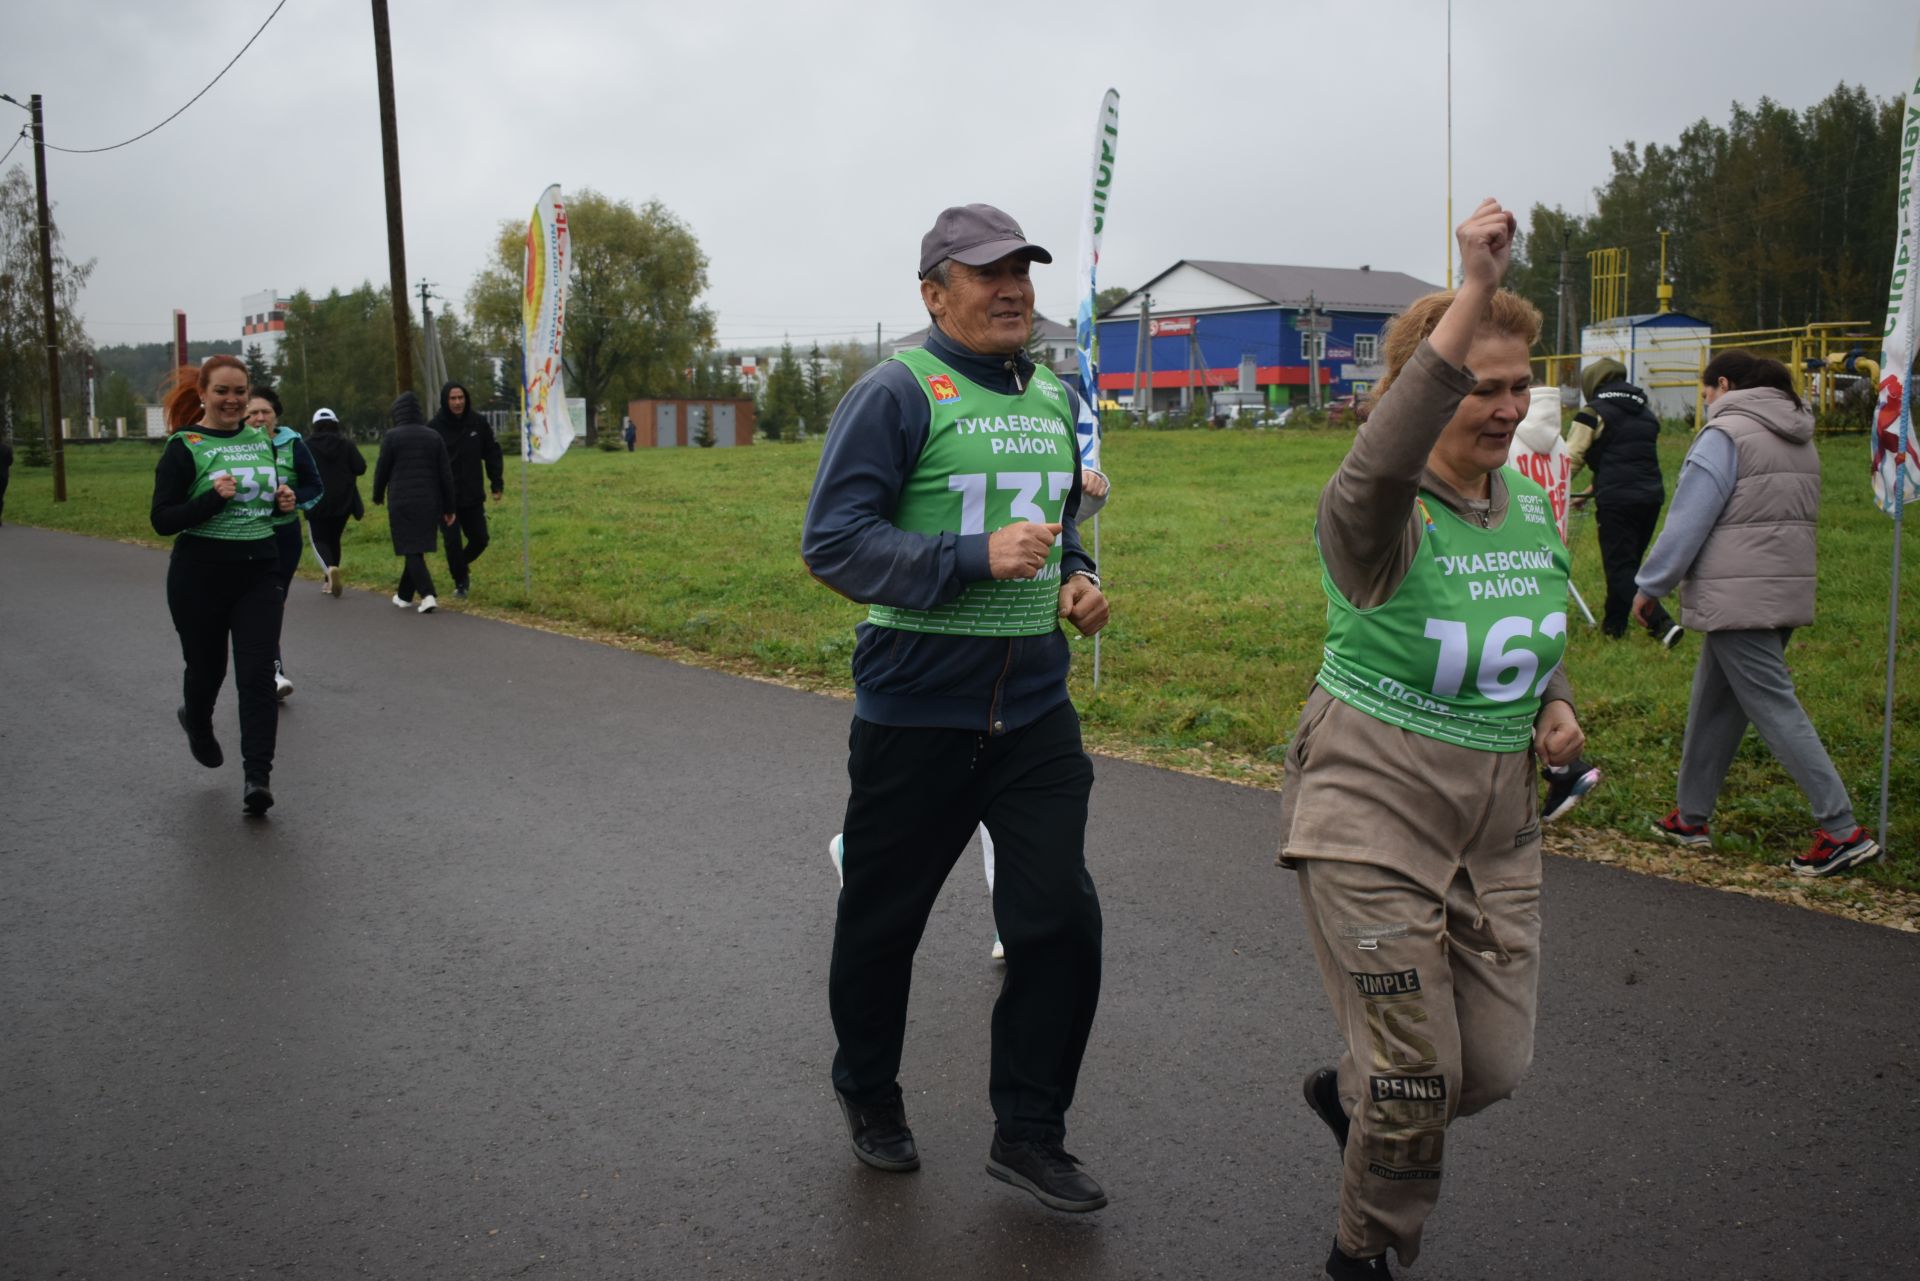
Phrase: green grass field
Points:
(1217, 611)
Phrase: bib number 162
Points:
(1507, 668)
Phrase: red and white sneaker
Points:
(1828, 856)
(1681, 833)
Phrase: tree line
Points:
(1777, 218)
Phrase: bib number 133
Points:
(1507, 667)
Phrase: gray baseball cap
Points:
(975, 235)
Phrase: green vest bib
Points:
(991, 460)
(249, 458)
(1463, 648)
(284, 464)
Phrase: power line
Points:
(92, 151)
(16, 142)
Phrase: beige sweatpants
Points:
(1436, 1000)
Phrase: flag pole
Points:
(526, 453)
(1893, 628)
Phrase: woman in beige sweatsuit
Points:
(1410, 811)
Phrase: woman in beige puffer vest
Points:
(1739, 543)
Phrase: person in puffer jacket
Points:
(1739, 543)
(1618, 437)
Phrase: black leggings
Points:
(325, 531)
(220, 603)
(1624, 533)
(286, 540)
(414, 577)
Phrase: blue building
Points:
(1206, 320)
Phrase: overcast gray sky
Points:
(809, 146)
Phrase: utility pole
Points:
(1142, 360)
(1314, 343)
(877, 356)
(1560, 317)
(56, 445)
(396, 230)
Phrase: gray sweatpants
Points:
(1743, 679)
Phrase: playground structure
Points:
(1665, 352)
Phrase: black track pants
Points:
(917, 796)
(465, 539)
(414, 578)
(220, 603)
(1624, 534)
(325, 531)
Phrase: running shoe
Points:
(1322, 1092)
(1828, 856)
(402, 602)
(837, 851)
(257, 798)
(1681, 833)
(336, 581)
(460, 591)
(201, 742)
(1565, 786)
(1673, 636)
(281, 685)
(999, 952)
(1041, 1166)
(1342, 1266)
(428, 604)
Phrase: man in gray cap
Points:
(946, 502)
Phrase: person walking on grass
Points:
(216, 490)
(295, 462)
(1740, 545)
(1618, 437)
(341, 466)
(471, 448)
(1409, 808)
(965, 549)
(413, 464)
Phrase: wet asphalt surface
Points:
(525, 976)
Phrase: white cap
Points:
(324, 416)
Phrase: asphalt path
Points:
(525, 976)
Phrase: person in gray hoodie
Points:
(1739, 544)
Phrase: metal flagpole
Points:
(1097, 635)
(526, 455)
(1893, 628)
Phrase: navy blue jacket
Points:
(990, 684)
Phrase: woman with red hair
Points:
(216, 490)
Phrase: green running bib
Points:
(1462, 650)
(990, 460)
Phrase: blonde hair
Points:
(1508, 314)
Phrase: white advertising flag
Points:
(548, 427)
(1093, 224)
(1896, 470)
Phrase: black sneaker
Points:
(1674, 636)
(1049, 1171)
(1342, 1266)
(257, 797)
(880, 1135)
(1565, 786)
(1322, 1089)
(1830, 855)
(204, 746)
(459, 591)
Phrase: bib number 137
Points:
(1024, 486)
(1507, 667)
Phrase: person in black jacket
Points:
(1619, 438)
(341, 466)
(946, 500)
(6, 465)
(413, 463)
(471, 446)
